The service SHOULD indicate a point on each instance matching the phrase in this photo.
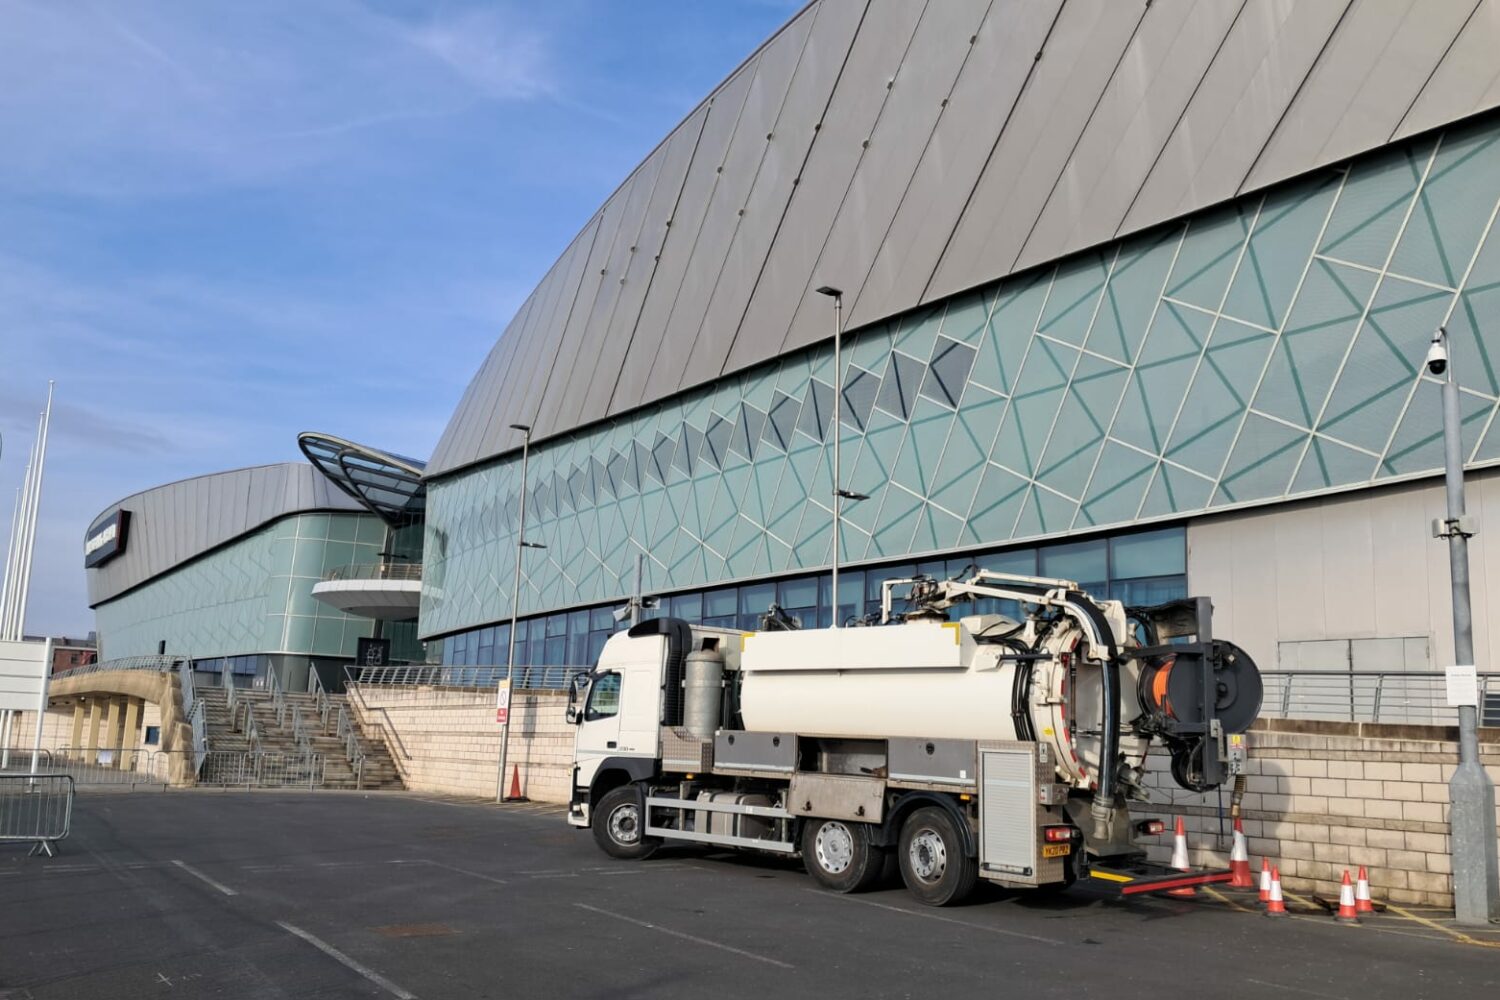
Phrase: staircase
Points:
(284, 759)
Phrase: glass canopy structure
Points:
(390, 486)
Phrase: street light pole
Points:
(839, 493)
(1476, 874)
(515, 612)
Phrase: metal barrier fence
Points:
(1409, 697)
(160, 664)
(36, 808)
(240, 769)
(554, 678)
(132, 768)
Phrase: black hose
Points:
(1109, 750)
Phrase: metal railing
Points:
(194, 710)
(118, 766)
(389, 734)
(36, 808)
(254, 769)
(1410, 697)
(321, 701)
(377, 571)
(16, 760)
(159, 664)
(469, 677)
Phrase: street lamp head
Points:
(1437, 354)
(533, 545)
(523, 428)
(830, 291)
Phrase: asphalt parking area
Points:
(249, 895)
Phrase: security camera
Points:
(1437, 354)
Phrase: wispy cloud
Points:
(491, 52)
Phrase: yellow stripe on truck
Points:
(957, 640)
(744, 638)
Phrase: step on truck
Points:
(988, 747)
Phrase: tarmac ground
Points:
(321, 895)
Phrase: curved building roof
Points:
(905, 151)
(171, 524)
(389, 485)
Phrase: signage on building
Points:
(106, 539)
(373, 652)
(502, 703)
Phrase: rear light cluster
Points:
(1151, 827)
(1057, 834)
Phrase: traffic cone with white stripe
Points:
(1347, 913)
(1180, 861)
(1275, 906)
(1239, 860)
(1362, 901)
(1265, 881)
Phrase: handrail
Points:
(469, 677)
(376, 571)
(320, 695)
(193, 709)
(1390, 696)
(387, 727)
(159, 664)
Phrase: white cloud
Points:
(502, 60)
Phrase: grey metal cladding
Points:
(818, 70)
(1001, 134)
(1468, 78)
(908, 117)
(754, 133)
(643, 371)
(677, 155)
(174, 523)
(1147, 93)
(862, 91)
(986, 92)
(1358, 91)
(1037, 142)
(1247, 87)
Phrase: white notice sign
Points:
(1463, 685)
(23, 674)
(502, 703)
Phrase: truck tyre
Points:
(934, 865)
(619, 826)
(839, 855)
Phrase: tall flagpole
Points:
(10, 562)
(19, 625)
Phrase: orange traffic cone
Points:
(1239, 860)
(514, 795)
(1180, 861)
(1347, 913)
(1362, 901)
(1275, 907)
(1265, 881)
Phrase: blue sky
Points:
(224, 223)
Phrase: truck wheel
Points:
(934, 865)
(619, 826)
(839, 855)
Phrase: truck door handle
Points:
(610, 745)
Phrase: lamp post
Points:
(1476, 874)
(839, 493)
(515, 610)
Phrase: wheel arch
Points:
(614, 772)
(910, 802)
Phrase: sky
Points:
(224, 223)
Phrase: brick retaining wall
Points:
(1322, 797)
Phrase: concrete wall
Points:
(447, 741)
(1333, 796)
(1360, 566)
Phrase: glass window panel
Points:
(604, 698)
(578, 649)
(1149, 590)
(557, 625)
(874, 577)
(935, 568)
(719, 603)
(851, 593)
(578, 623)
(754, 600)
(596, 646)
(799, 593)
(1149, 553)
(601, 619)
(1021, 562)
(1087, 563)
(688, 607)
(556, 651)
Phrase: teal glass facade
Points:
(1268, 348)
(252, 596)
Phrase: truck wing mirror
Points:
(577, 687)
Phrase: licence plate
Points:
(1056, 850)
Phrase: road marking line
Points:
(1225, 899)
(934, 916)
(463, 871)
(204, 878)
(1456, 935)
(347, 962)
(686, 937)
(1297, 989)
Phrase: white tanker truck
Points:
(979, 748)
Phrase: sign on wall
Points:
(23, 674)
(373, 652)
(106, 538)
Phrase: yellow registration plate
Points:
(1056, 850)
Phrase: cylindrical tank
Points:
(703, 688)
